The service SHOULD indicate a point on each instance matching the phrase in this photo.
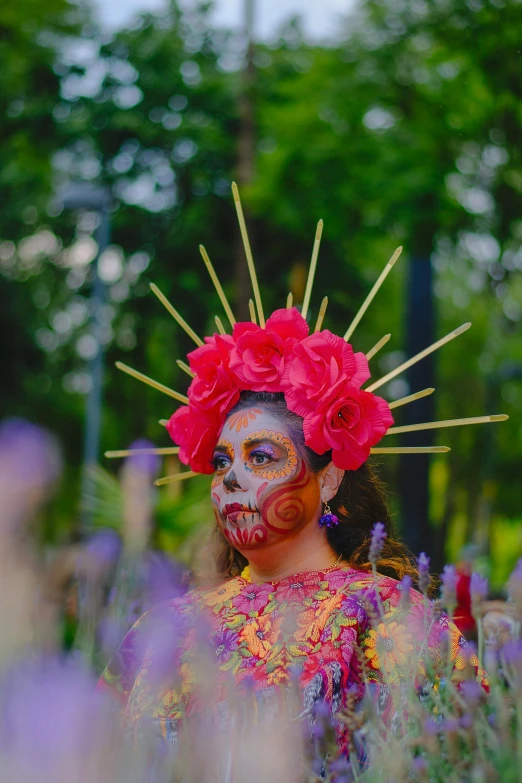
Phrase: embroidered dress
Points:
(332, 631)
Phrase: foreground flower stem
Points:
(480, 640)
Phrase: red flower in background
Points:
(321, 364)
(260, 355)
(349, 421)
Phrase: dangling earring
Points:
(328, 519)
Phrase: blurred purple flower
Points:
(341, 766)
(294, 672)
(50, 712)
(419, 764)
(515, 585)
(479, 588)
(111, 631)
(430, 727)
(472, 692)
(451, 725)
(405, 594)
(377, 542)
(163, 577)
(29, 452)
(105, 547)
(423, 565)
(449, 588)
(444, 642)
(144, 463)
(511, 653)
(466, 721)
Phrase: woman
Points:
(280, 419)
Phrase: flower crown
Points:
(319, 374)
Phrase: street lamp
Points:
(98, 199)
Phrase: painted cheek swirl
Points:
(284, 507)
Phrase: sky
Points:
(320, 16)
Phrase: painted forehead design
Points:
(241, 419)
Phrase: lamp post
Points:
(75, 196)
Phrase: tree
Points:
(408, 130)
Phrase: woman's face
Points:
(262, 490)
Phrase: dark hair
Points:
(360, 503)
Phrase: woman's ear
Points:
(329, 480)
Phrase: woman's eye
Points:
(221, 463)
(260, 458)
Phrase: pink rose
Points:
(320, 364)
(215, 386)
(260, 355)
(349, 423)
(196, 432)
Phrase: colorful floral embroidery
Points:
(388, 647)
(320, 627)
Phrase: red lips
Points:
(233, 510)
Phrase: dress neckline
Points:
(303, 576)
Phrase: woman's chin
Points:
(251, 536)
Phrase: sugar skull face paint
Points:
(262, 489)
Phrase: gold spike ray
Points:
(289, 301)
(150, 382)
(175, 477)
(163, 422)
(248, 253)
(183, 366)
(311, 271)
(367, 302)
(410, 398)
(167, 451)
(174, 313)
(405, 365)
(219, 324)
(434, 425)
(321, 314)
(411, 450)
(217, 285)
(252, 311)
(377, 347)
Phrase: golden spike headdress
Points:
(318, 372)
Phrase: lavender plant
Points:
(442, 724)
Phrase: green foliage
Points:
(179, 519)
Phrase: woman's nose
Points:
(236, 480)
(230, 481)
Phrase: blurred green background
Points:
(404, 128)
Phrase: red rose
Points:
(260, 355)
(349, 423)
(196, 432)
(321, 363)
(215, 386)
